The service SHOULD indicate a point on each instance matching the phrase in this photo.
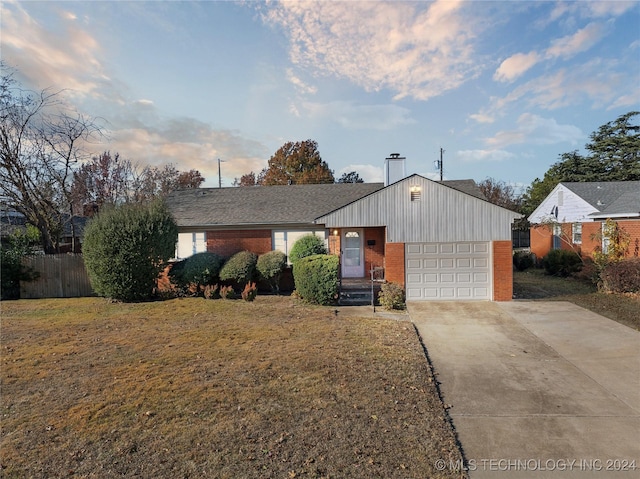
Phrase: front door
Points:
(352, 253)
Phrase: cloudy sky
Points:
(503, 87)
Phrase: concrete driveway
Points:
(536, 389)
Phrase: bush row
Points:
(621, 276)
(198, 274)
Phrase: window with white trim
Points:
(283, 240)
(576, 233)
(190, 244)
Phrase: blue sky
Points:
(502, 87)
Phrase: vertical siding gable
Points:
(571, 209)
(442, 214)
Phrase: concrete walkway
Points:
(536, 389)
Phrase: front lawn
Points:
(226, 389)
(534, 284)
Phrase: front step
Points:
(353, 297)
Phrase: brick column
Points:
(394, 263)
(502, 271)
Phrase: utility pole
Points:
(219, 175)
(440, 164)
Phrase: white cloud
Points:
(360, 117)
(48, 60)
(476, 156)
(369, 173)
(580, 41)
(516, 65)
(534, 129)
(300, 84)
(416, 50)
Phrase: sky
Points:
(502, 87)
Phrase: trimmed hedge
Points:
(197, 271)
(307, 245)
(240, 268)
(125, 249)
(561, 262)
(316, 278)
(270, 266)
(391, 296)
(621, 276)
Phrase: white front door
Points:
(352, 253)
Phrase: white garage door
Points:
(443, 271)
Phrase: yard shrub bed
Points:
(621, 276)
(240, 268)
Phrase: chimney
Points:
(393, 168)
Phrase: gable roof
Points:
(441, 214)
(262, 205)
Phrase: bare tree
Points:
(40, 144)
(500, 193)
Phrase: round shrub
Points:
(523, 260)
(391, 296)
(270, 266)
(621, 276)
(561, 262)
(316, 278)
(196, 271)
(306, 245)
(240, 268)
(125, 249)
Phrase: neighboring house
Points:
(438, 240)
(573, 214)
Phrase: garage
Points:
(448, 271)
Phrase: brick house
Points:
(439, 240)
(572, 216)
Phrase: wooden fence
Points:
(61, 276)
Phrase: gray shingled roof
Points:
(609, 197)
(262, 205)
(269, 205)
(469, 187)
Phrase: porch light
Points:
(335, 232)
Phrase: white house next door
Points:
(352, 253)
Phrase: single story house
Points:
(439, 240)
(572, 216)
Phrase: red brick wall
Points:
(541, 240)
(633, 228)
(502, 271)
(394, 263)
(591, 237)
(334, 242)
(227, 243)
(373, 255)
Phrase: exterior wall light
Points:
(416, 192)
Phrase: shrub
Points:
(522, 260)
(316, 278)
(125, 249)
(306, 245)
(270, 266)
(561, 262)
(227, 292)
(391, 296)
(196, 272)
(621, 276)
(240, 268)
(249, 292)
(17, 245)
(212, 291)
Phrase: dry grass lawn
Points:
(223, 389)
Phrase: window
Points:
(284, 240)
(576, 233)
(190, 244)
(557, 233)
